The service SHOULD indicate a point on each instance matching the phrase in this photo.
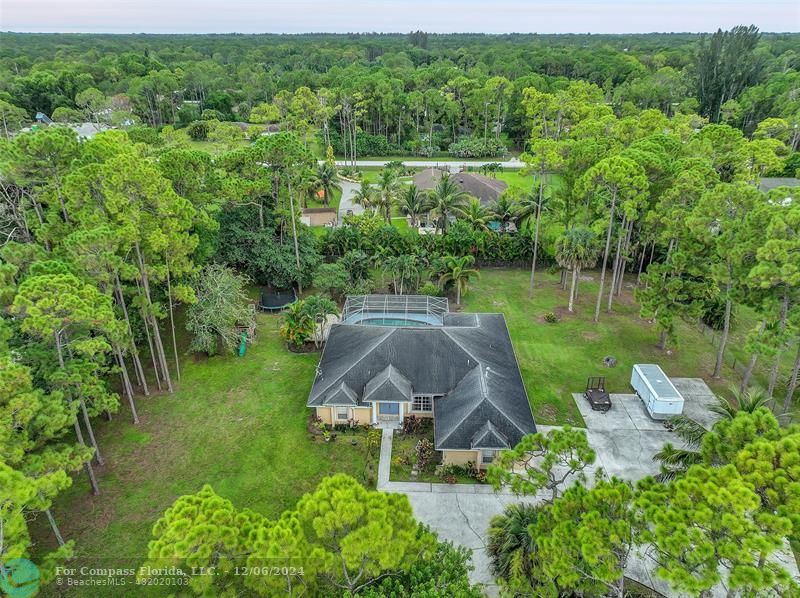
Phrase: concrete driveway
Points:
(625, 439)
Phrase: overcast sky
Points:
(297, 16)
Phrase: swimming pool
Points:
(391, 322)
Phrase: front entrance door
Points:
(389, 409)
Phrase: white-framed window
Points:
(487, 456)
(342, 413)
(422, 404)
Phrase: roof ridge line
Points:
(471, 411)
(377, 344)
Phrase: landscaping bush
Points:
(198, 130)
(424, 454)
(430, 289)
(551, 318)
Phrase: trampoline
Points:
(276, 300)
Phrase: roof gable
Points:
(387, 385)
(340, 395)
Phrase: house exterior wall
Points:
(324, 413)
(362, 415)
(420, 414)
(459, 457)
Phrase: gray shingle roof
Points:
(769, 183)
(341, 395)
(388, 385)
(469, 360)
(483, 187)
(489, 437)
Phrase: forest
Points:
(645, 159)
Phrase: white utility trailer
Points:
(657, 392)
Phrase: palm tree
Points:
(458, 270)
(388, 189)
(575, 250)
(445, 199)
(365, 196)
(676, 461)
(307, 184)
(510, 544)
(505, 210)
(328, 182)
(532, 205)
(474, 213)
(412, 203)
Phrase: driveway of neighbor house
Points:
(625, 439)
(346, 203)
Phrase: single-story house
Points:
(461, 370)
(318, 217)
(485, 188)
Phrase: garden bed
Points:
(404, 458)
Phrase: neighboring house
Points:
(484, 188)
(769, 183)
(395, 356)
(318, 217)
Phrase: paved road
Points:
(457, 166)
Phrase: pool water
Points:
(391, 322)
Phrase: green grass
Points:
(238, 424)
(556, 359)
(334, 203)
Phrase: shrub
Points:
(550, 318)
(430, 289)
(411, 424)
(198, 130)
(362, 287)
(424, 454)
(222, 304)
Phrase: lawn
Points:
(556, 359)
(336, 198)
(239, 424)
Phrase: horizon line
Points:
(301, 33)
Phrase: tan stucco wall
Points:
(459, 457)
(324, 413)
(362, 415)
